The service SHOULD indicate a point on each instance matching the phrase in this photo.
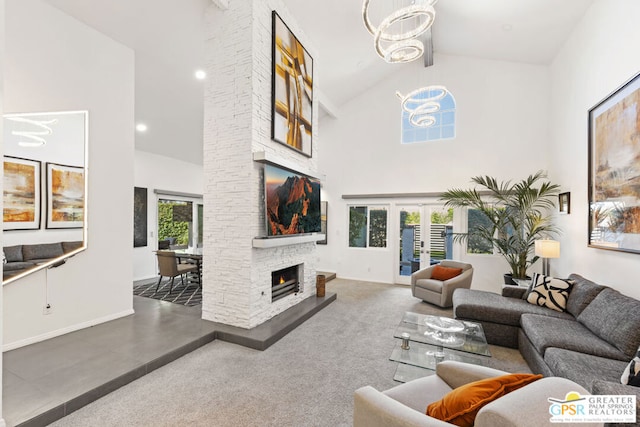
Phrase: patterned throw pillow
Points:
(631, 374)
(549, 292)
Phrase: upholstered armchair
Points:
(440, 292)
(405, 405)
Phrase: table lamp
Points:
(546, 249)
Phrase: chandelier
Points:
(393, 42)
(33, 137)
(422, 103)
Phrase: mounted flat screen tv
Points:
(292, 202)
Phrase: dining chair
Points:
(169, 267)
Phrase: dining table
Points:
(194, 256)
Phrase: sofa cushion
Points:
(445, 273)
(615, 318)
(545, 332)
(14, 266)
(631, 374)
(490, 307)
(511, 291)
(13, 253)
(547, 291)
(42, 251)
(582, 293)
(461, 405)
(430, 284)
(583, 368)
(71, 246)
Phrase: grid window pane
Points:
(358, 227)
(443, 128)
(378, 228)
(476, 244)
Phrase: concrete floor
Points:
(45, 381)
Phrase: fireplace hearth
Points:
(285, 282)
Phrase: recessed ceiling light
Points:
(141, 127)
(200, 75)
(507, 27)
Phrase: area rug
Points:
(188, 295)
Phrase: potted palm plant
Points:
(517, 214)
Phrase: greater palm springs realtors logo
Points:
(575, 408)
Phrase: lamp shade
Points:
(547, 248)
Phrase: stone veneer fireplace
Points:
(237, 282)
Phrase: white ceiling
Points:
(167, 37)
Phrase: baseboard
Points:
(58, 332)
(139, 279)
(382, 282)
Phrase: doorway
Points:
(425, 237)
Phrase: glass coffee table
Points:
(432, 339)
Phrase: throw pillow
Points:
(460, 406)
(631, 374)
(445, 273)
(549, 292)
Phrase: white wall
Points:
(601, 54)
(502, 131)
(55, 63)
(2, 44)
(155, 172)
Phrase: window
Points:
(180, 222)
(367, 227)
(200, 226)
(476, 244)
(444, 126)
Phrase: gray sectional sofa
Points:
(23, 257)
(591, 343)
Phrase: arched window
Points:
(433, 104)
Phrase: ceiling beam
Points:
(326, 105)
(222, 4)
(427, 40)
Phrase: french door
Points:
(424, 238)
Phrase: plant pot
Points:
(508, 279)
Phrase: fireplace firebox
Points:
(285, 282)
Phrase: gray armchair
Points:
(438, 292)
(405, 405)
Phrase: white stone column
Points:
(237, 123)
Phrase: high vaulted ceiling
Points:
(167, 36)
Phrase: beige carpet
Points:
(305, 379)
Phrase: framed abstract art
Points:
(21, 194)
(292, 90)
(65, 196)
(564, 203)
(614, 170)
